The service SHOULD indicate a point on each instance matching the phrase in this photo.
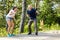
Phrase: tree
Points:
(23, 16)
(46, 13)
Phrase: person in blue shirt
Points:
(32, 18)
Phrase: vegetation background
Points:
(47, 19)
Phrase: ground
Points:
(51, 35)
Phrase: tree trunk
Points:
(41, 21)
(36, 4)
(23, 16)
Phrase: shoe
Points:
(9, 35)
(36, 33)
(12, 35)
(29, 33)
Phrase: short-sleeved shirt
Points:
(12, 13)
(32, 13)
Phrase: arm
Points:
(11, 12)
(27, 15)
(37, 12)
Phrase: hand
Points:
(37, 12)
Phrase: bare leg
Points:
(12, 26)
(9, 26)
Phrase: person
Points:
(10, 21)
(32, 18)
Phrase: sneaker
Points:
(36, 33)
(9, 35)
(12, 35)
(29, 33)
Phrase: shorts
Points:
(9, 18)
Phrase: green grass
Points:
(3, 32)
(16, 30)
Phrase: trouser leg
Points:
(29, 26)
(35, 25)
